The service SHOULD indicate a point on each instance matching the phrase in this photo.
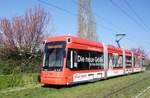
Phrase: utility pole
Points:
(86, 21)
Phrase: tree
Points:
(139, 50)
(86, 21)
(24, 33)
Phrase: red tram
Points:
(69, 60)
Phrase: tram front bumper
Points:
(56, 78)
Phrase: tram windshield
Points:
(54, 56)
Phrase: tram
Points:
(69, 60)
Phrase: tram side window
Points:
(85, 60)
(120, 61)
(97, 60)
(82, 59)
(128, 61)
(115, 61)
(136, 61)
(68, 61)
(143, 62)
(110, 61)
(72, 59)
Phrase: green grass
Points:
(145, 94)
(110, 88)
(15, 80)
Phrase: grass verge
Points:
(13, 80)
(110, 88)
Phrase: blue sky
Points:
(110, 19)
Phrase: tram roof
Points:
(74, 39)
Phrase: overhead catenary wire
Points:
(102, 18)
(128, 15)
(135, 41)
(137, 15)
(57, 7)
(132, 18)
(73, 14)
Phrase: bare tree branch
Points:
(140, 50)
(25, 32)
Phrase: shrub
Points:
(16, 62)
